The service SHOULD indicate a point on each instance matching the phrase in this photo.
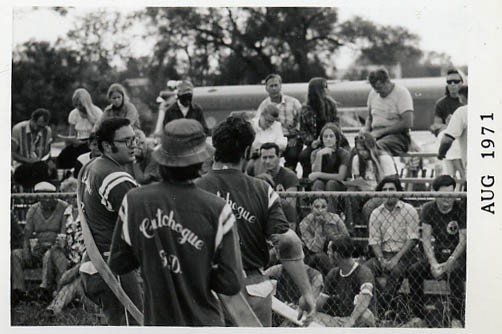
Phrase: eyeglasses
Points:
(129, 141)
(449, 82)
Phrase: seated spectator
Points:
(370, 163)
(347, 298)
(30, 148)
(390, 116)
(444, 244)
(44, 222)
(287, 204)
(88, 156)
(268, 129)
(286, 289)
(318, 110)
(64, 258)
(316, 229)
(329, 163)
(393, 233)
(285, 179)
(119, 106)
(81, 120)
(144, 169)
(182, 107)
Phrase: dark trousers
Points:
(115, 314)
(68, 155)
(395, 144)
(420, 271)
(304, 158)
(292, 152)
(28, 175)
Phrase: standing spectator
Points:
(330, 163)
(318, 110)
(393, 233)
(370, 163)
(103, 183)
(348, 289)
(119, 106)
(182, 237)
(390, 116)
(289, 117)
(268, 129)
(184, 107)
(30, 148)
(259, 218)
(445, 107)
(316, 229)
(444, 243)
(44, 222)
(81, 120)
(144, 168)
(456, 129)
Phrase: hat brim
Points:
(194, 156)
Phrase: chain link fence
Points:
(405, 243)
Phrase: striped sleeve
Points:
(123, 214)
(272, 196)
(111, 181)
(226, 221)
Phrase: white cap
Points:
(45, 187)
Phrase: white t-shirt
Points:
(387, 111)
(386, 163)
(273, 134)
(457, 128)
(83, 126)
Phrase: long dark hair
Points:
(316, 95)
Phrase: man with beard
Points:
(184, 107)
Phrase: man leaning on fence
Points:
(444, 221)
(393, 233)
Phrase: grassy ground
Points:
(33, 313)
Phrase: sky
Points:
(433, 21)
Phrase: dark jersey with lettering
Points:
(445, 227)
(183, 239)
(104, 184)
(256, 207)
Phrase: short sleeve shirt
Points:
(391, 229)
(83, 126)
(445, 227)
(457, 128)
(387, 111)
(342, 289)
(331, 162)
(30, 144)
(446, 106)
(285, 179)
(273, 134)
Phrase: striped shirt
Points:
(31, 144)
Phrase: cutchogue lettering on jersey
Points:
(239, 211)
(161, 220)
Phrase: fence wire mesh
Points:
(409, 245)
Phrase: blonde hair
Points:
(82, 95)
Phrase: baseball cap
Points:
(44, 187)
(185, 87)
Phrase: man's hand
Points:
(349, 323)
(315, 144)
(306, 308)
(437, 270)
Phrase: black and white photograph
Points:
(271, 164)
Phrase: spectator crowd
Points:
(186, 217)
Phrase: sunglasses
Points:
(449, 82)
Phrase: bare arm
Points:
(437, 125)
(362, 302)
(427, 243)
(405, 123)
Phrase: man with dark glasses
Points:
(390, 116)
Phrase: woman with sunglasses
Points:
(318, 110)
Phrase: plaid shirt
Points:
(308, 120)
(289, 113)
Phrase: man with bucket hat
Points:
(184, 107)
(183, 238)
